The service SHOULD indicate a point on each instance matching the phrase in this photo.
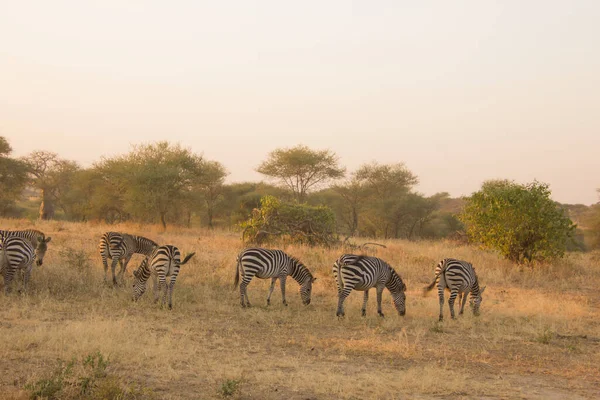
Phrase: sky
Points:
(461, 92)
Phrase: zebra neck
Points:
(475, 288)
(394, 284)
(300, 273)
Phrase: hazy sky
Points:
(461, 91)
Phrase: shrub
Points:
(519, 221)
(298, 223)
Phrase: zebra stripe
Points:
(163, 263)
(36, 238)
(274, 264)
(15, 254)
(120, 247)
(362, 273)
(460, 278)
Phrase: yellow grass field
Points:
(538, 336)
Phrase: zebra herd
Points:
(19, 249)
(356, 272)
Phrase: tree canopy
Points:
(301, 169)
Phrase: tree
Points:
(301, 169)
(211, 187)
(13, 177)
(51, 175)
(519, 221)
(154, 180)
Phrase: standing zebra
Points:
(362, 273)
(15, 254)
(36, 238)
(120, 247)
(274, 264)
(163, 263)
(460, 278)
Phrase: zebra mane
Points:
(396, 277)
(299, 266)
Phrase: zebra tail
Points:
(428, 288)
(237, 274)
(187, 258)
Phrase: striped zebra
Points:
(460, 278)
(16, 253)
(36, 238)
(163, 263)
(361, 272)
(120, 247)
(274, 264)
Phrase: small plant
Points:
(545, 336)
(229, 387)
(75, 259)
(437, 328)
(86, 379)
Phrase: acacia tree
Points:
(13, 177)
(52, 176)
(157, 179)
(520, 221)
(301, 169)
(210, 185)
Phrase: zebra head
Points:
(400, 300)
(140, 280)
(40, 250)
(306, 290)
(476, 301)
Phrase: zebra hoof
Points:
(381, 314)
(285, 303)
(364, 313)
(268, 302)
(339, 314)
(441, 319)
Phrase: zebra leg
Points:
(365, 300)
(26, 276)
(282, 283)
(441, 296)
(379, 296)
(105, 264)
(345, 293)
(165, 288)
(171, 287)
(123, 263)
(155, 288)
(462, 300)
(8, 277)
(453, 294)
(113, 267)
(273, 280)
(244, 289)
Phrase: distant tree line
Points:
(309, 196)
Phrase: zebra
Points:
(274, 264)
(361, 272)
(460, 278)
(36, 238)
(120, 247)
(16, 253)
(163, 263)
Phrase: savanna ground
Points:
(538, 336)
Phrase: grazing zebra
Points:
(15, 254)
(163, 263)
(362, 273)
(274, 264)
(37, 239)
(460, 278)
(120, 247)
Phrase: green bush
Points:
(298, 223)
(519, 221)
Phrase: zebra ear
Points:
(482, 290)
(314, 279)
(48, 239)
(135, 273)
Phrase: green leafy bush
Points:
(298, 223)
(519, 221)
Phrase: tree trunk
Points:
(209, 214)
(46, 208)
(162, 220)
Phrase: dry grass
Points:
(538, 335)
